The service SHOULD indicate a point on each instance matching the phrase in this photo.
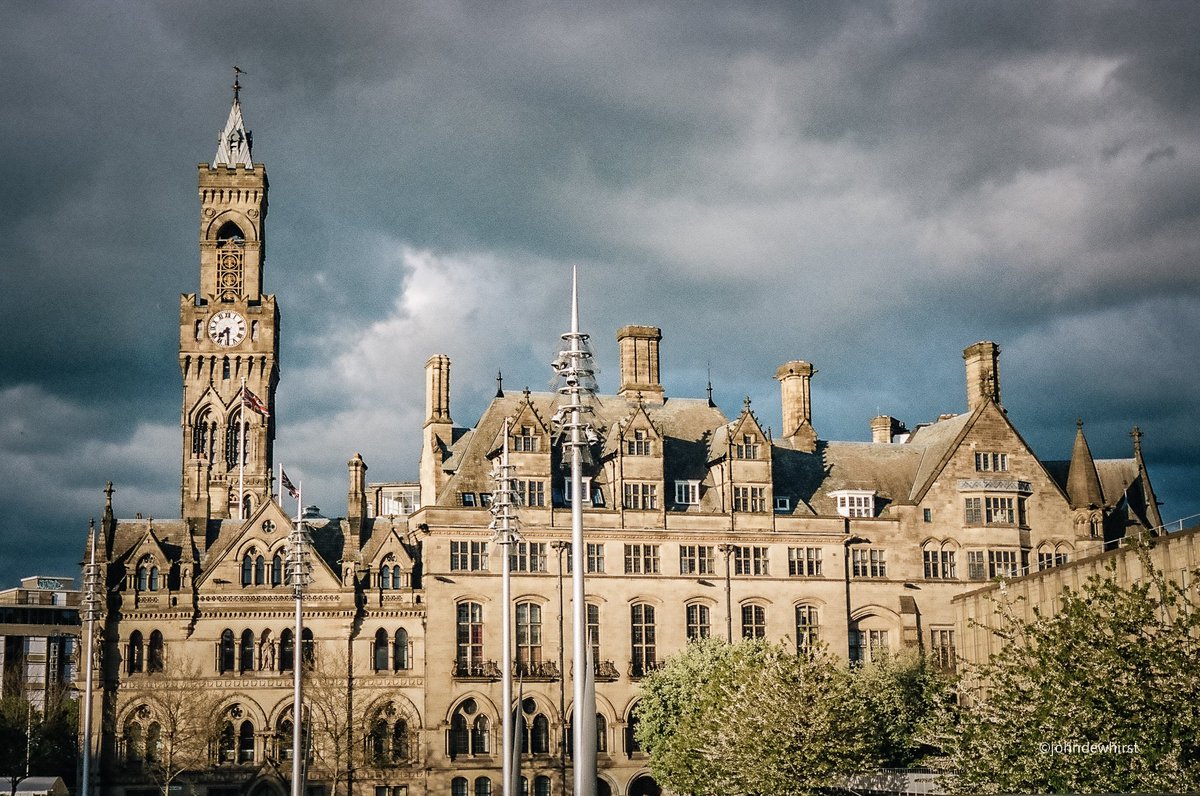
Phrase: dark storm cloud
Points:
(871, 186)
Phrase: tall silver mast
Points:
(578, 374)
(91, 612)
(299, 571)
(504, 527)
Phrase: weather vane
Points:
(237, 87)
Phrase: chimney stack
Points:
(983, 374)
(795, 381)
(639, 363)
(884, 428)
(437, 389)
(356, 501)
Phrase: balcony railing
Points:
(476, 670)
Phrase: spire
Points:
(1083, 484)
(235, 141)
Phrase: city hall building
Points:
(697, 523)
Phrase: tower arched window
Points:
(277, 570)
(236, 434)
(385, 577)
(260, 571)
(156, 658)
(380, 650)
(225, 652)
(153, 578)
(204, 434)
(400, 651)
(246, 652)
(143, 577)
(136, 661)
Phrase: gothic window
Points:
(400, 651)
(204, 435)
(133, 742)
(385, 577)
(285, 731)
(483, 786)
(277, 570)
(155, 659)
(260, 570)
(380, 652)
(236, 434)
(308, 649)
(154, 742)
(226, 744)
(539, 735)
(136, 660)
(632, 746)
(287, 651)
(541, 786)
(246, 743)
(225, 652)
(153, 578)
(480, 735)
(246, 652)
(458, 787)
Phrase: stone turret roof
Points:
(1083, 483)
(235, 142)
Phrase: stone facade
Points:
(696, 524)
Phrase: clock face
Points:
(227, 328)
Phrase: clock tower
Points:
(229, 340)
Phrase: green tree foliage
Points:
(47, 737)
(1103, 696)
(903, 694)
(752, 718)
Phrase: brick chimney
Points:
(795, 383)
(885, 428)
(639, 363)
(983, 374)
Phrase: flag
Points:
(252, 401)
(288, 485)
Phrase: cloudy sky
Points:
(868, 186)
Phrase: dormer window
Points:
(526, 441)
(747, 448)
(638, 444)
(854, 502)
(587, 491)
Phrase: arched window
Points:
(204, 435)
(248, 568)
(153, 578)
(480, 735)
(632, 746)
(458, 787)
(807, 629)
(469, 639)
(137, 651)
(397, 577)
(287, 651)
(483, 786)
(227, 744)
(699, 624)
(133, 743)
(284, 733)
(642, 638)
(225, 653)
(385, 577)
(541, 786)
(379, 739)
(601, 733)
(235, 436)
(308, 649)
(400, 742)
(754, 621)
(529, 637)
(460, 737)
(277, 570)
(381, 650)
(540, 735)
(260, 571)
(155, 658)
(143, 577)
(154, 742)
(400, 651)
(246, 652)
(246, 743)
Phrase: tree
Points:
(34, 741)
(752, 718)
(903, 694)
(1102, 696)
(174, 725)
(330, 715)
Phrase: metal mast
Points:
(299, 571)
(578, 374)
(91, 612)
(504, 528)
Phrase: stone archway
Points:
(267, 787)
(644, 785)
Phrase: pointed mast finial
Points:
(574, 300)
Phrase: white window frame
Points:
(687, 493)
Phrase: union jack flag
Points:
(252, 401)
(288, 485)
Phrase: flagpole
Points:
(241, 436)
(505, 534)
(298, 566)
